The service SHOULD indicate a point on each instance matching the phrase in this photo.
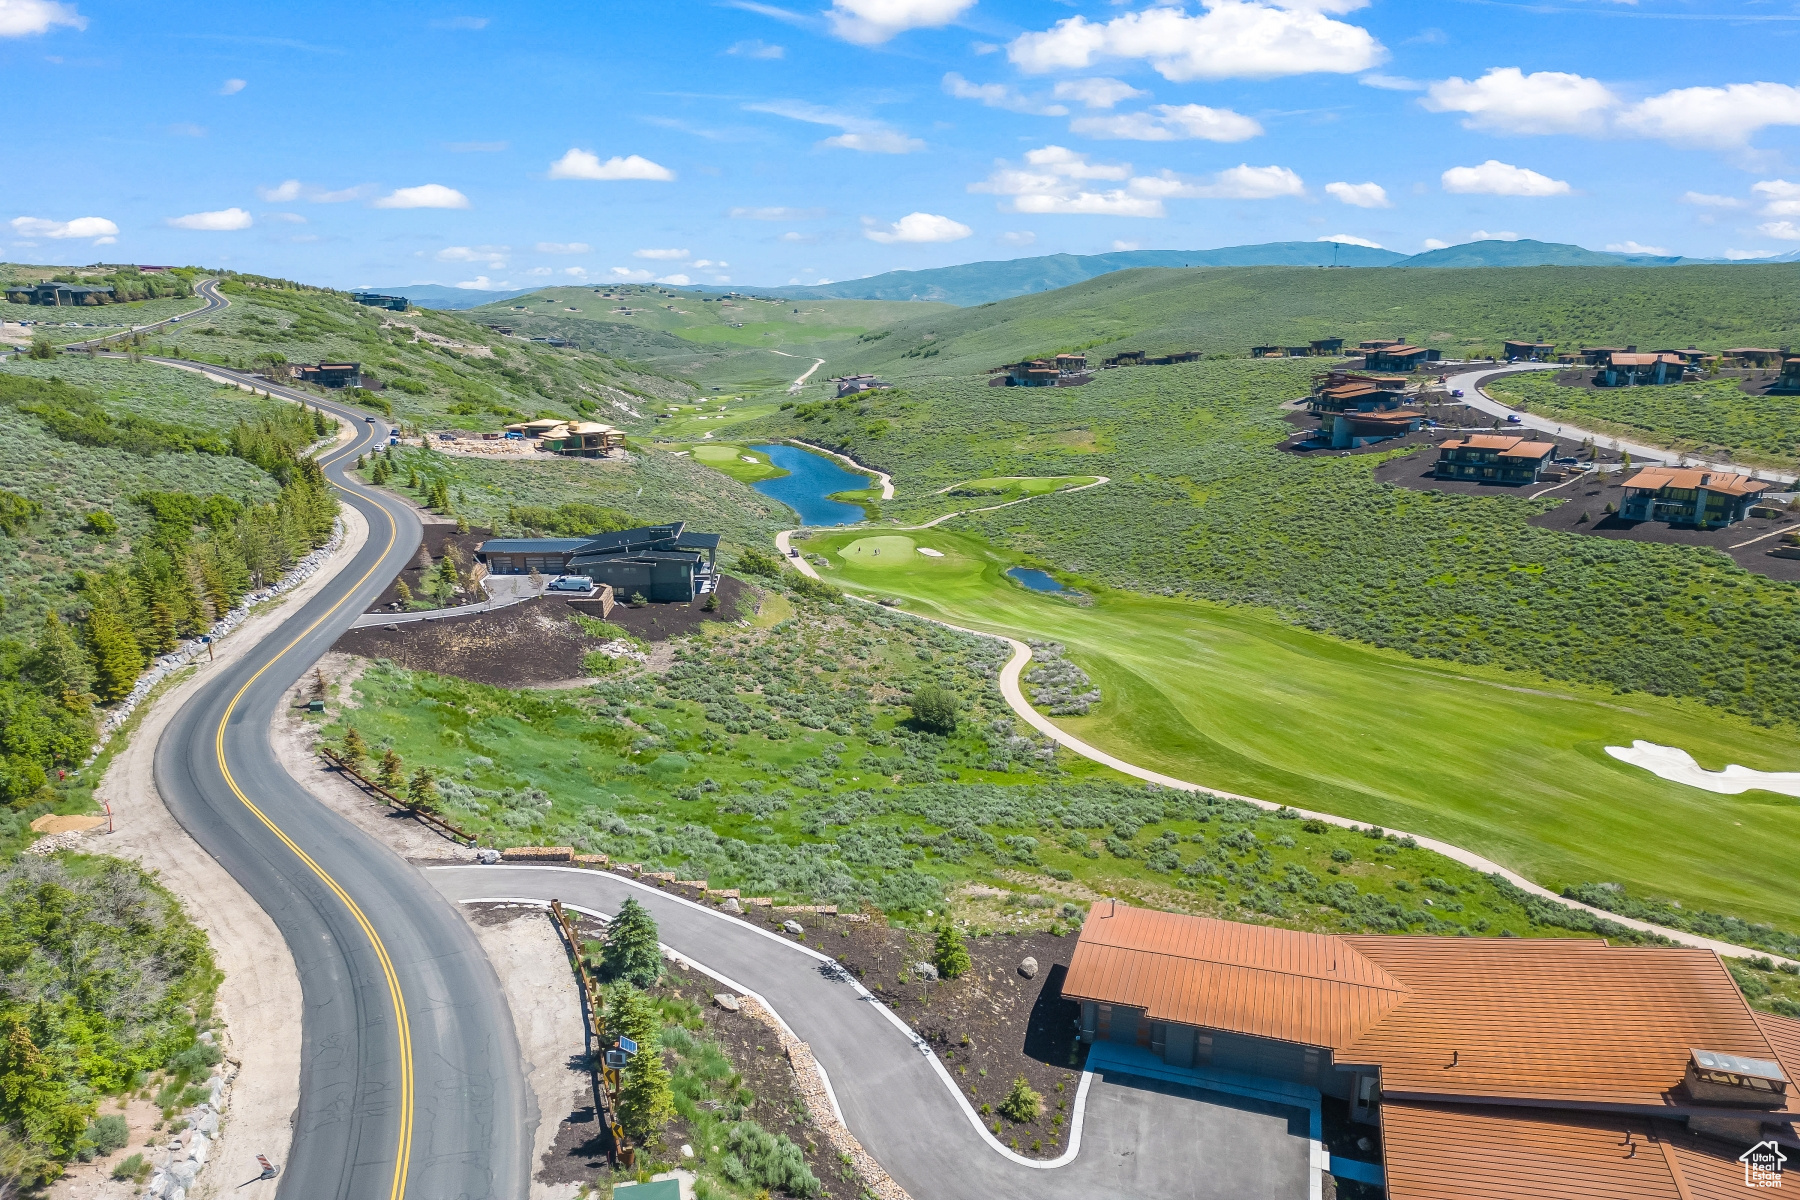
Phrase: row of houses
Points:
(59, 295)
(1322, 348)
(1627, 366)
(380, 300)
(1495, 1068)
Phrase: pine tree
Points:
(391, 775)
(355, 751)
(646, 1100)
(949, 955)
(421, 790)
(631, 952)
(117, 658)
(403, 593)
(630, 1012)
(59, 665)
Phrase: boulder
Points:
(208, 1124)
(925, 970)
(731, 906)
(487, 856)
(181, 1175)
(198, 1149)
(155, 1186)
(726, 1001)
(687, 1151)
(794, 927)
(1028, 968)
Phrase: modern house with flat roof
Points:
(1514, 350)
(59, 295)
(1346, 391)
(1623, 369)
(1400, 358)
(1745, 356)
(1790, 376)
(1496, 1068)
(1493, 458)
(1689, 496)
(378, 300)
(326, 375)
(660, 562)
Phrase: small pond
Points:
(1036, 580)
(810, 480)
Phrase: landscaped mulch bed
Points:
(660, 622)
(435, 539)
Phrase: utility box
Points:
(315, 706)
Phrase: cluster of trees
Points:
(101, 979)
(129, 283)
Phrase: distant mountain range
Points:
(983, 282)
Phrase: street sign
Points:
(616, 1059)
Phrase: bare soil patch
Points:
(435, 540)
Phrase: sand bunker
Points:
(1678, 766)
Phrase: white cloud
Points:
(1708, 200)
(493, 256)
(871, 22)
(1124, 246)
(630, 274)
(1392, 83)
(222, 220)
(1056, 180)
(563, 248)
(1350, 239)
(860, 133)
(1713, 116)
(1630, 247)
(482, 283)
(575, 272)
(286, 218)
(1786, 231)
(1744, 255)
(917, 227)
(999, 95)
(585, 164)
(232, 87)
(1782, 199)
(1170, 122)
(22, 18)
(675, 280)
(541, 271)
(1242, 182)
(1018, 237)
(801, 239)
(1506, 100)
(426, 195)
(80, 227)
(1097, 92)
(1495, 178)
(670, 255)
(777, 214)
(756, 48)
(709, 264)
(1504, 235)
(1232, 39)
(281, 193)
(1360, 195)
(1436, 244)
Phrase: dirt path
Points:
(799, 383)
(260, 997)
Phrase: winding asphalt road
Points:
(410, 1079)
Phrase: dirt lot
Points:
(436, 539)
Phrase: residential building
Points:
(1745, 357)
(1126, 358)
(1599, 356)
(1790, 376)
(1268, 352)
(377, 300)
(1689, 496)
(58, 295)
(329, 375)
(1349, 430)
(1328, 347)
(582, 439)
(1036, 372)
(1630, 370)
(1321, 348)
(1380, 344)
(1514, 350)
(1345, 391)
(659, 562)
(1496, 1068)
(1071, 364)
(1400, 358)
(850, 385)
(1493, 458)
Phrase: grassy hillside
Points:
(434, 369)
(1710, 417)
(1228, 310)
(1203, 504)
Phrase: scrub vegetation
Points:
(103, 983)
(1708, 417)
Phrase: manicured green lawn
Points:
(740, 462)
(1508, 765)
(1012, 487)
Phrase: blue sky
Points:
(772, 142)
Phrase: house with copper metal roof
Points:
(1400, 358)
(1493, 458)
(1348, 391)
(1689, 496)
(1623, 369)
(1496, 1068)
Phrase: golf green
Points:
(1510, 766)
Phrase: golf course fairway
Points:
(1508, 765)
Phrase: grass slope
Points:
(1514, 769)
(1228, 310)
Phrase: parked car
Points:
(1457, 393)
(572, 583)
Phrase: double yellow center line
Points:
(403, 1152)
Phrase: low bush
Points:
(754, 1157)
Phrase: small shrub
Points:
(935, 709)
(949, 955)
(135, 1168)
(1021, 1103)
(756, 1157)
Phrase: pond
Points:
(1036, 580)
(809, 482)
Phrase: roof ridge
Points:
(1397, 986)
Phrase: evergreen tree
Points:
(631, 952)
(949, 955)
(391, 775)
(646, 1100)
(421, 790)
(117, 658)
(59, 665)
(630, 1012)
(355, 751)
(403, 593)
